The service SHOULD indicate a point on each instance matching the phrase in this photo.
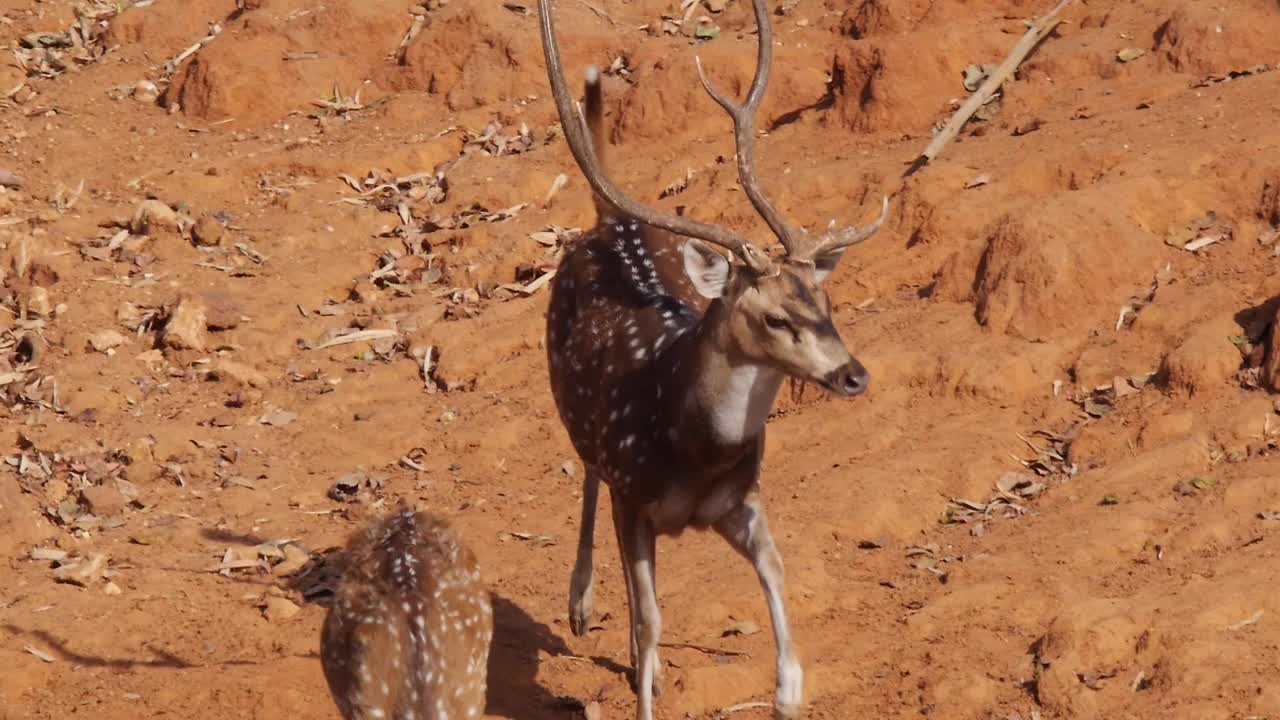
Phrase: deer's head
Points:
(778, 315)
(781, 319)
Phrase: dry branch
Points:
(1037, 32)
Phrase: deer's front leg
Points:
(580, 586)
(747, 531)
(637, 543)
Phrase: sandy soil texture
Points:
(1060, 498)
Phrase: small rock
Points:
(1130, 54)
(104, 501)
(185, 329)
(145, 91)
(111, 589)
(222, 312)
(83, 572)
(716, 6)
(105, 340)
(208, 231)
(278, 609)
(239, 373)
(152, 216)
(38, 304)
(151, 358)
(295, 558)
(278, 417)
(10, 180)
(129, 315)
(1122, 387)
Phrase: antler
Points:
(800, 246)
(744, 126)
(837, 239)
(584, 154)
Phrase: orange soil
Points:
(967, 308)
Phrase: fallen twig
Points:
(725, 712)
(1037, 32)
(358, 336)
(703, 649)
(600, 13)
(171, 66)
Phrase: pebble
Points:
(186, 329)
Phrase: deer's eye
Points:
(776, 322)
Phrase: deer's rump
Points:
(619, 325)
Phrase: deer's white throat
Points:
(737, 408)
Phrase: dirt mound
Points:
(1034, 266)
(1204, 40)
(474, 55)
(903, 82)
(276, 58)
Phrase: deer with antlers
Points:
(665, 359)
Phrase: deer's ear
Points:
(824, 264)
(707, 269)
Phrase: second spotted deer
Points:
(408, 635)
(665, 359)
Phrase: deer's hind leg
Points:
(581, 593)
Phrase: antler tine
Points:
(744, 126)
(834, 239)
(588, 162)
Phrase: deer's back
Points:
(409, 630)
(621, 313)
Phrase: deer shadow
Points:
(514, 691)
(1256, 321)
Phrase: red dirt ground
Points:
(1125, 590)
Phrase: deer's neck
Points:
(729, 396)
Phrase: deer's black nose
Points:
(851, 379)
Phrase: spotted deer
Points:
(407, 636)
(665, 359)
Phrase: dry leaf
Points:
(1201, 242)
(278, 417)
(46, 657)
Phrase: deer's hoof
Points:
(788, 712)
(579, 620)
(657, 683)
(580, 611)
